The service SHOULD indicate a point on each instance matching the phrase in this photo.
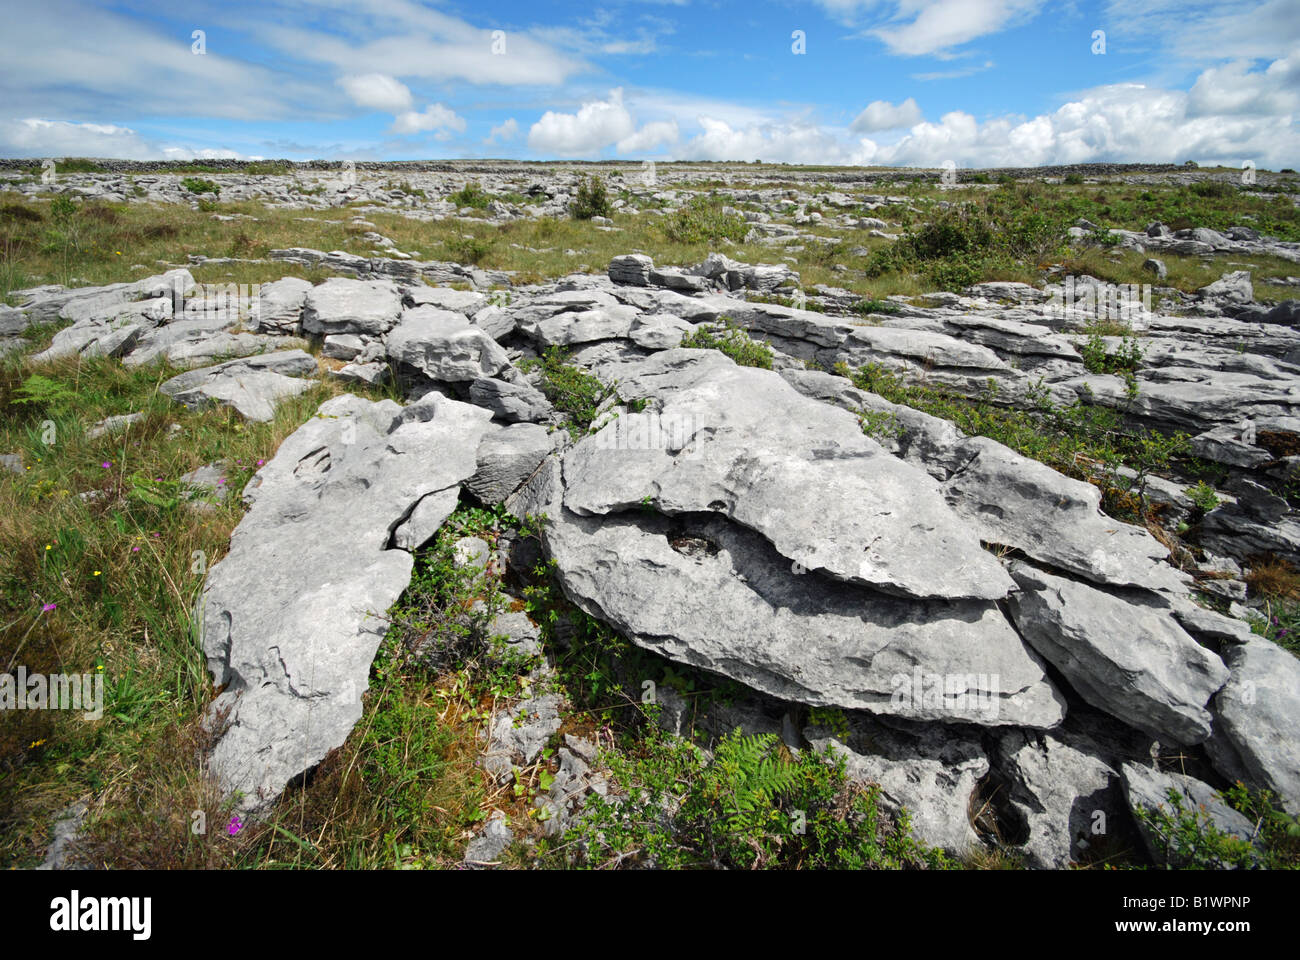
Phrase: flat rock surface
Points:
(705, 591)
(741, 442)
(293, 614)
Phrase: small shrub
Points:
(1189, 840)
(733, 341)
(17, 213)
(1203, 497)
(1074, 179)
(572, 390)
(591, 200)
(749, 806)
(866, 307)
(468, 250)
(78, 165)
(197, 185)
(62, 209)
(1214, 189)
(702, 221)
(266, 169)
(470, 195)
(1127, 359)
(880, 425)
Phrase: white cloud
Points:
(652, 135)
(932, 26)
(882, 115)
(1209, 30)
(592, 35)
(504, 131)
(71, 58)
(595, 126)
(404, 38)
(1230, 115)
(1223, 119)
(953, 74)
(1234, 89)
(37, 137)
(435, 117)
(774, 142)
(378, 91)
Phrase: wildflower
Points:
(48, 607)
(135, 549)
(260, 462)
(34, 744)
(47, 546)
(106, 464)
(96, 573)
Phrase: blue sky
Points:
(917, 82)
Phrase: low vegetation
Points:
(571, 389)
(591, 200)
(1187, 838)
(1085, 441)
(103, 560)
(748, 806)
(703, 220)
(731, 339)
(470, 195)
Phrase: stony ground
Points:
(757, 516)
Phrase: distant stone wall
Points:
(498, 166)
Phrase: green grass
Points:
(122, 568)
(867, 307)
(702, 221)
(470, 195)
(103, 241)
(731, 340)
(1187, 839)
(957, 247)
(1083, 441)
(572, 390)
(74, 165)
(198, 185)
(749, 806)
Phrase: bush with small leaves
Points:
(590, 200)
(731, 340)
(196, 185)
